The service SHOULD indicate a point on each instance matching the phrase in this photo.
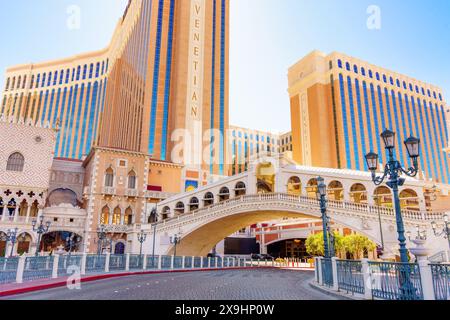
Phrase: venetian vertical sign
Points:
(195, 82)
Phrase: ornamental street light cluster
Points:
(40, 230)
(101, 235)
(445, 231)
(393, 172)
(11, 236)
(420, 234)
(175, 240)
(141, 237)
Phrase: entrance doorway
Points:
(293, 248)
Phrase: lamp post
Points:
(420, 235)
(71, 241)
(445, 232)
(175, 240)
(11, 236)
(154, 218)
(101, 235)
(141, 237)
(393, 171)
(40, 230)
(321, 194)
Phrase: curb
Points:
(333, 293)
(87, 279)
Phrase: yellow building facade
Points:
(340, 105)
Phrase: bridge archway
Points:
(200, 241)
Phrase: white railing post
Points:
(127, 262)
(209, 263)
(316, 269)
(144, 262)
(367, 279)
(172, 260)
(193, 263)
(20, 269)
(159, 262)
(201, 263)
(335, 274)
(55, 266)
(221, 264)
(426, 277)
(183, 265)
(320, 271)
(108, 258)
(83, 264)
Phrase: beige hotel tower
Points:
(165, 70)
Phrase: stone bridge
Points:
(273, 191)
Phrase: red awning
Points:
(154, 188)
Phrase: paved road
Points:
(214, 285)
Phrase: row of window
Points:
(109, 179)
(263, 139)
(397, 82)
(57, 77)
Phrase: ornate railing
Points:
(334, 207)
(8, 270)
(441, 281)
(65, 262)
(152, 262)
(117, 262)
(396, 281)
(327, 272)
(95, 263)
(350, 276)
(38, 268)
(136, 262)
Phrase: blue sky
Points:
(266, 38)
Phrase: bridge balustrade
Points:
(441, 281)
(350, 276)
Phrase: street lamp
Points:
(393, 171)
(11, 236)
(154, 218)
(101, 235)
(40, 230)
(175, 240)
(71, 241)
(141, 237)
(445, 231)
(420, 234)
(321, 194)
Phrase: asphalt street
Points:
(262, 284)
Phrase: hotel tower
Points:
(165, 69)
(340, 105)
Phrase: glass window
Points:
(384, 78)
(340, 63)
(355, 68)
(378, 76)
(423, 91)
(132, 180)
(370, 74)
(84, 71)
(398, 83)
(391, 80)
(109, 178)
(363, 71)
(404, 85)
(347, 66)
(15, 162)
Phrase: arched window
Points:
(209, 199)
(336, 191)
(240, 189)
(117, 216)
(104, 218)
(347, 66)
(15, 162)
(109, 178)
(440, 96)
(370, 74)
(377, 76)
(129, 216)
(363, 71)
(132, 180)
(404, 85)
(340, 63)
(358, 193)
(179, 208)
(355, 68)
(193, 204)
(391, 81)
(398, 83)
(224, 194)
(294, 186)
(384, 78)
(311, 188)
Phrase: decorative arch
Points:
(240, 189)
(104, 217)
(383, 197)
(165, 213)
(194, 204)
(117, 216)
(24, 241)
(179, 208)
(62, 196)
(16, 162)
(208, 200)
(409, 200)
(358, 193)
(109, 177)
(294, 186)
(132, 179)
(224, 194)
(336, 191)
(311, 188)
(129, 216)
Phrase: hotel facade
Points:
(340, 105)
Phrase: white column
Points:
(108, 257)
(316, 268)
(20, 268)
(367, 279)
(426, 278)
(209, 263)
(335, 274)
(5, 212)
(172, 262)
(27, 219)
(83, 264)
(182, 262)
(201, 263)
(16, 213)
(319, 267)
(144, 262)
(127, 262)
(159, 263)
(55, 266)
